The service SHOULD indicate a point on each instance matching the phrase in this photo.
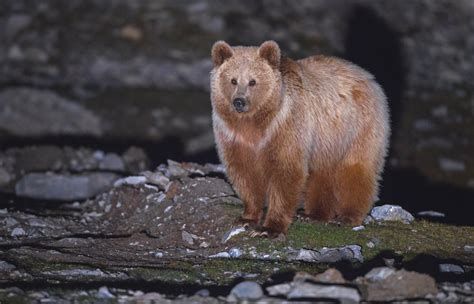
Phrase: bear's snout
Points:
(240, 104)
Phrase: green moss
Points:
(175, 271)
(306, 235)
(92, 299)
(422, 237)
(35, 265)
(225, 271)
(418, 237)
(168, 274)
(232, 210)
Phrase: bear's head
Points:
(245, 80)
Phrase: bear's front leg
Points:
(285, 190)
(248, 181)
(252, 193)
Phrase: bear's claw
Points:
(263, 232)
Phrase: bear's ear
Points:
(221, 51)
(270, 51)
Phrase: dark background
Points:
(111, 74)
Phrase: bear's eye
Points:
(252, 82)
(233, 81)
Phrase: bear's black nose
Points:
(239, 104)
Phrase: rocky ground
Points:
(89, 226)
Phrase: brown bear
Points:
(314, 129)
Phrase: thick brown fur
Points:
(315, 129)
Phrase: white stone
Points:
(222, 254)
(130, 180)
(379, 274)
(231, 233)
(469, 248)
(104, 293)
(235, 252)
(440, 111)
(431, 213)
(18, 231)
(451, 165)
(358, 228)
(451, 268)
(391, 213)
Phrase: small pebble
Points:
(358, 228)
(203, 293)
(469, 248)
(204, 245)
(235, 252)
(130, 180)
(231, 233)
(431, 213)
(451, 268)
(187, 237)
(389, 262)
(17, 232)
(222, 254)
(104, 293)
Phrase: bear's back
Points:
(336, 100)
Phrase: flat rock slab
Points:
(351, 253)
(304, 290)
(384, 284)
(49, 186)
(32, 112)
(17, 162)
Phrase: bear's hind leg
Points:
(355, 187)
(319, 202)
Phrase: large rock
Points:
(247, 291)
(64, 187)
(32, 112)
(16, 162)
(352, 253)
(388, 213)
(305, 290)
(385, 284)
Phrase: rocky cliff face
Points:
(100, 59)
